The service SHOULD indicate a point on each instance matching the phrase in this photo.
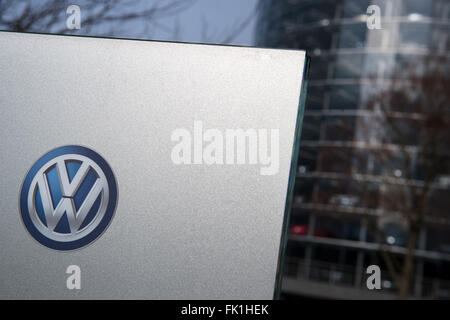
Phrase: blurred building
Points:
(362, 170)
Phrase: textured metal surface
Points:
(181, 232)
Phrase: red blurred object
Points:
(302, 230)
(298, 229)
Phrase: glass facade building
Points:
(373, 178)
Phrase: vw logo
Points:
(68, 198)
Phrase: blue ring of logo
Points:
(110, 209)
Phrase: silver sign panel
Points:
(144, 170)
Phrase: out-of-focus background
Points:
(373, 178)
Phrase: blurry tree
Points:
(123, 18)
(411, 127)
(100, 18)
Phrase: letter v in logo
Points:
(68, 198)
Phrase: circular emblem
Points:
(68, 198)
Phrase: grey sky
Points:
(221, 16)
(215, 18)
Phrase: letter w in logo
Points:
(68, 189)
